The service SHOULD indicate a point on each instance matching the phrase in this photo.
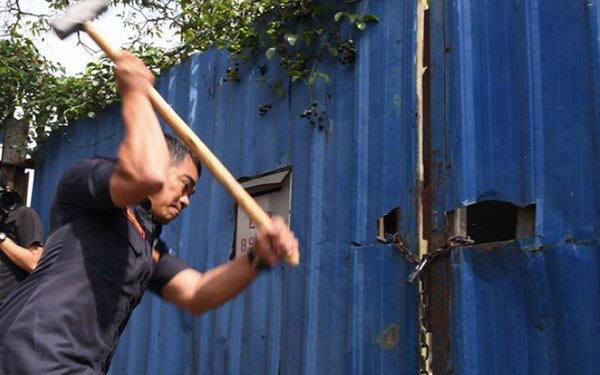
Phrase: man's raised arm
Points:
(143, 157)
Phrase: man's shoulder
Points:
(91, 163)
(86, 167)
(86, 185)
(23, 210)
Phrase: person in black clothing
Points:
(21, 240)
(104, 250)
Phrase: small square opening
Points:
(388, 224)
(493, 221)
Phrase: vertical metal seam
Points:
(536, 116)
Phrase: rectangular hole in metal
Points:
(492, 221)
(388, 224)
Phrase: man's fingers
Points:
(266, 253)
(132, 74)
(284, 241)
(276, 242)
(277, 225)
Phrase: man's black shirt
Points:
(67, 316)
(23, 226)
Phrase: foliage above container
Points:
(295, 34)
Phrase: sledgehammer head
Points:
(76, 15)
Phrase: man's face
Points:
(175, 194)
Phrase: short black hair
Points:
(178, 150)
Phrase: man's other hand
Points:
(275, 243)
(132, 75)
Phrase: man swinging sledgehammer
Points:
(102, 252)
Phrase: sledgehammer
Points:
(79, 17)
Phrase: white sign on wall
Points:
(273, 193)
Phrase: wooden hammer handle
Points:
(202, 152)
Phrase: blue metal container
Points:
(346, 309)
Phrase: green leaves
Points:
(339, 16)
(299, 34)
(270, 53)
(360, 21)
(25, 78)
(291, 39)
(47, 98)
(313, 77)
(370, 18)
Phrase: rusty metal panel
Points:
(514, 103)
(346, 309)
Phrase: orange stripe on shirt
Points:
(133, 220)
(155, 256)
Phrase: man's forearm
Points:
(25, 258)
(143, 149)
(198, 293)
(143, 154)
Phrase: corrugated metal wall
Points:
(346, 309)
(515, 106)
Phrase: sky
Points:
(72, 56)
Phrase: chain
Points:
(404, 250)
(423, 327)
(419, 274)
(455, 241)
(429, 258)
(96, 143)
